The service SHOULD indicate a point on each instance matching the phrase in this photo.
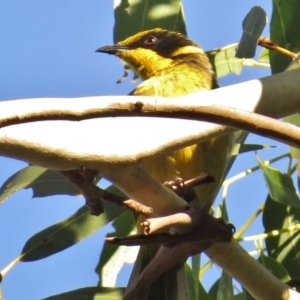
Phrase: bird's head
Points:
(150, 51)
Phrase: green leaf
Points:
(293, 119)
(195, 272)
(43, 182)
(196, 290)
(253, 26)
(225, 62)
(239, 137)
(284, 248)
(225, 291)
(274, 267)
(241, 296)
(295, 152)
(294, 64)
(213, 291)
(123, 225)
(285, 32)
(222, 212)
(68, 232)
(264, 55)
(243, 148)
(90, 293)
(147, 14)
(113, 189)
(280, 186)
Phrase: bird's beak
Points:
(114, 49)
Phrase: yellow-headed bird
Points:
(171, 65)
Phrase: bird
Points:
(171, 65)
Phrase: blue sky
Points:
(48, 50)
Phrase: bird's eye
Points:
(150, 40)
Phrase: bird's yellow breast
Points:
(209, 156)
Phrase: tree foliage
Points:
(280, 212)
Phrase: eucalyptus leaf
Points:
(284, 248)
(264, 55)
(43, 182)
(274, 267)
(244, 148)
(195, 273)
(295, 152)
(253, 26)
(225, 61)
(280, 186)
(90, 293)
(196, 290)
(225, 291)
(213, 291)
(68, 232)
(241, 296)
(123, 225)
(284, 31)
(147, 14)
(294, 64)
(222, 212)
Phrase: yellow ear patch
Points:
(187, 50)
(145, 62)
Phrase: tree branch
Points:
(265, 96)
(117, 147)
(256, 279)
(251, 122)
(94, 196)
(65, 145)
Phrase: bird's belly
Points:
(210, 156)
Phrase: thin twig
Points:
(212, 231)
(94, 196)
(262, 41)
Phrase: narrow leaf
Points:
(90, 293)
(274, 267)
(225, 291)
(295, 152)
(196, 290)
(280, 186)
(222, 212)
(243, 148)
(225, 62)
(195, 271)
(68, 232)
(294, 64)
(285, 32)
(43, 182)
(241, 296)
(253, 26)
(213, 291)
(284, 248)
(264, 55)
(148, 14)
(113, 257)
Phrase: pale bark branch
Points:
(240, 119)
(253, 276)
